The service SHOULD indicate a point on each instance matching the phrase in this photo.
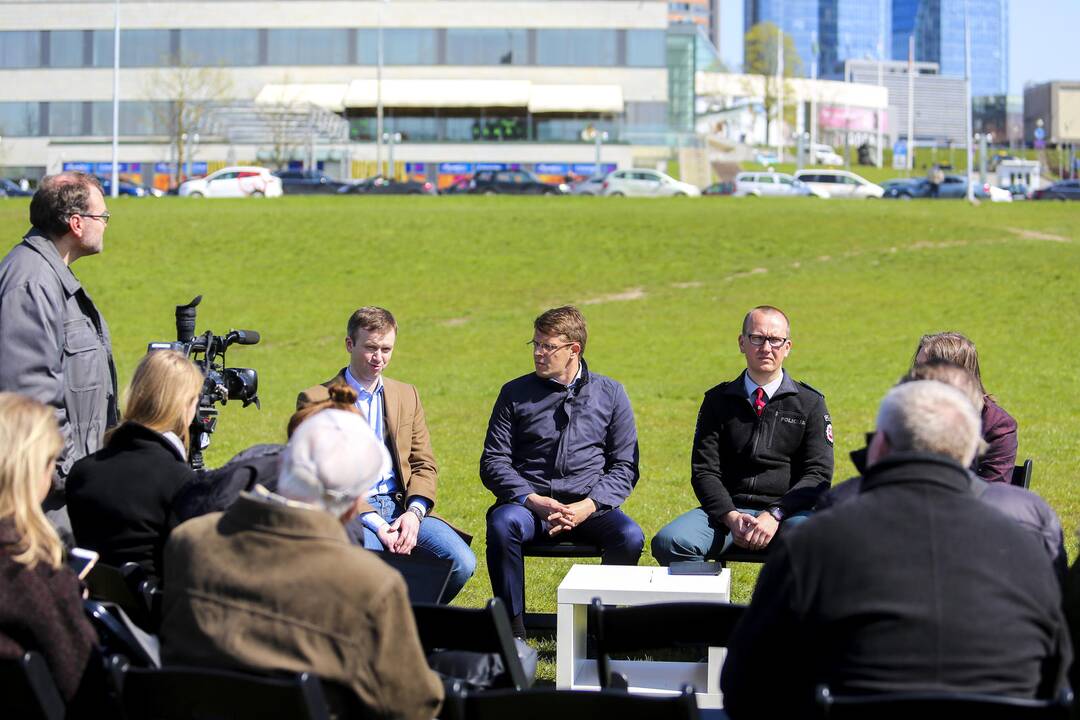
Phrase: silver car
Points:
(637, 182)
(770, 184)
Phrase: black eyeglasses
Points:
(103, 217)
(546, 348)
(759, 340)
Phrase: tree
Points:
(189, 94)
(760, 57)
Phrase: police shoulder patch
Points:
(828, 429)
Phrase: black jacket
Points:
(783, 458)
(121, 498)
(913, 585)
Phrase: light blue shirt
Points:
(751, 387)
(372, 404)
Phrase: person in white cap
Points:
(273, 582)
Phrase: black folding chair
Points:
(904, 706)
(739, 554)
(29, 690)
(635, 628)
(130, 588)
(551, 704)
(425, 578)
(486, 630)
(561, 549)
(116, 637)
(1021, 475)
(189, 693)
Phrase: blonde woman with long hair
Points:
(121, 498)
(40, 598)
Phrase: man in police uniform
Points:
(763, 452)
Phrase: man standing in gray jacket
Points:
(54, 344)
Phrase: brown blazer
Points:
(237, 597)
(407, 432)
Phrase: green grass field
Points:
(664, 285)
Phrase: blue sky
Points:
(1042, 39)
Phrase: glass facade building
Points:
(938, 28)
(840, 29)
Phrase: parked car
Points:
(770, 184)
(720, 188)
(513, 182)
(460, 186)
(10, 188)
(126, 187)
(637, 182)
(308, 182)
(589, 186)
(240, 181)
(379, 185)
(839, 184)
(1061, 190)
(953, 186)
(825, 155)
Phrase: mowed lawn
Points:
(664, 285)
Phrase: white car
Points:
(839, 184)
(770, 184)
(637, 182)
(588, 186)
(825, 155)
(244, 181)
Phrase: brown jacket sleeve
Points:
(423, 473)
(406, 686)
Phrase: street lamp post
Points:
(114, 189)
(601, 138)
(391, 139)
(880, 76)
(378, 90)
(967, 104)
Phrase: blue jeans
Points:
(693, 536)
(435, 538)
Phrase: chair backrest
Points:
(117, 637)
(483, 630)
(897, 706)
(425, 578)
(29, 690)
(661, 625)
(1021, 475)
(548, 703)
(112, 584)
(188, 693)
(561, 549)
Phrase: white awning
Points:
(576, 98)
(327, 96)
(439, 93)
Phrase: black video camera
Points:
(221, 384)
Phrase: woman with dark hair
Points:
(40, 599)
(120, 499)
(998, 427)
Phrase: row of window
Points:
(77, 119)
(333, 46)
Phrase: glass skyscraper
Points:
(843, 29)
(938, 27)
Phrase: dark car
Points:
(953, 186)
(1061, 190)
(379, 185)
(459, 186)
(308, 182)
(10, 188)
(126, 187)
(512, 182)
(720, 188)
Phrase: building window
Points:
(138, 48)
(472, 46)
(20, 119)
(646, 48)
(228, 48)
(587, 48)
(308, 47)
(66, 118)
(137, 117)
(66, 48)
(20, 49)
(410, 47)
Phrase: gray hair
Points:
(332, 459)
(932, 417)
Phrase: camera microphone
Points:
(243, 337)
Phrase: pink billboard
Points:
(840, 117)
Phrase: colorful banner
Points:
(839, 117)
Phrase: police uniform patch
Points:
(828, 429)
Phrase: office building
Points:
(940, 119)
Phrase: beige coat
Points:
(407, 438)
(276, 587)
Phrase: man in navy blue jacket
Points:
(561, 456)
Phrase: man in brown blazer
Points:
(238, 581)
(397, 518)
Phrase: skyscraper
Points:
(938, 27)
(843, 29)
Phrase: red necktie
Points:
(759, 401)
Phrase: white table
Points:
(631, 585)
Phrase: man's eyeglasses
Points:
(103, 217)
(759, 340)
(546, 348)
